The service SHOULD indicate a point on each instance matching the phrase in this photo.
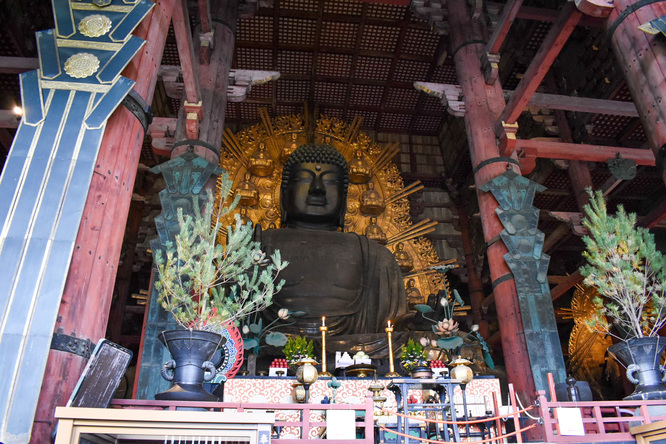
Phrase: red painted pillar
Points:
(642, 57)
(484, 104)
(474, 285)
(84, 309)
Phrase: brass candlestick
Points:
(323, 330)
(389, 331)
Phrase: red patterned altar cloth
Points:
(278, 390)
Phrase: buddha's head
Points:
(315, 179)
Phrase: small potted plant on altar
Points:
(296, 349)
(630, 275)
(413, 359)
(207, 286)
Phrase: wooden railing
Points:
(293, 421)
(603, 421)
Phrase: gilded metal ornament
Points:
(95, 25)
(81, 65)
(587, 348)
(385, 208)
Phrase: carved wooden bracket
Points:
(527, 164)
(162, 131)
(573, 219)
(595, 8)
(206, 46)
(450, 95)
(490, 67)
(434, 12)
(241, 81)
(194, 114)
(506, 138)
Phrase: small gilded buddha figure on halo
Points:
(413, 294)
(375, 232)
(359, 171)
(289, 147)
(249, 195)
(404, 260)
(261, 164)
(371, 201)
(244, 216)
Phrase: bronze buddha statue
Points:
(354, 282)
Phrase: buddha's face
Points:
(314, 195)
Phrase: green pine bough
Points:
(207, 285)
(627, 270)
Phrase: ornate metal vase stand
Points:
(191, 351)
(642, 357)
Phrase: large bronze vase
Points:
(642, 357)
(191, 351)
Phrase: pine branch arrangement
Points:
(206, 285)
(628, 271)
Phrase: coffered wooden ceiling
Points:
(347, 58)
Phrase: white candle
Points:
(389, 324)
(323, 321)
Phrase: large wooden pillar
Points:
(476, 294)
(483, 106)
(88, 291)
(199, 130)
(642, 57)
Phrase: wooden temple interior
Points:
(402, 73)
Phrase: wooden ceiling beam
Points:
(181, 29)
(204, 16)
(274, 56)
(352, 80)
(550, 48)
(656, 216)
(316, 50)
(389, 2)
(8, 119)
(332, 50)
(404, 25)
(628, 130)
(509, 13)
(566, 285)
(530, 150)
(420, 101)
(17, 65)
(583, 104)
(554, 101)
(550, 15)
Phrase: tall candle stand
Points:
(323, 330)
(389, 331)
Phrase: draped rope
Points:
(443, 421)
(436, 441)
